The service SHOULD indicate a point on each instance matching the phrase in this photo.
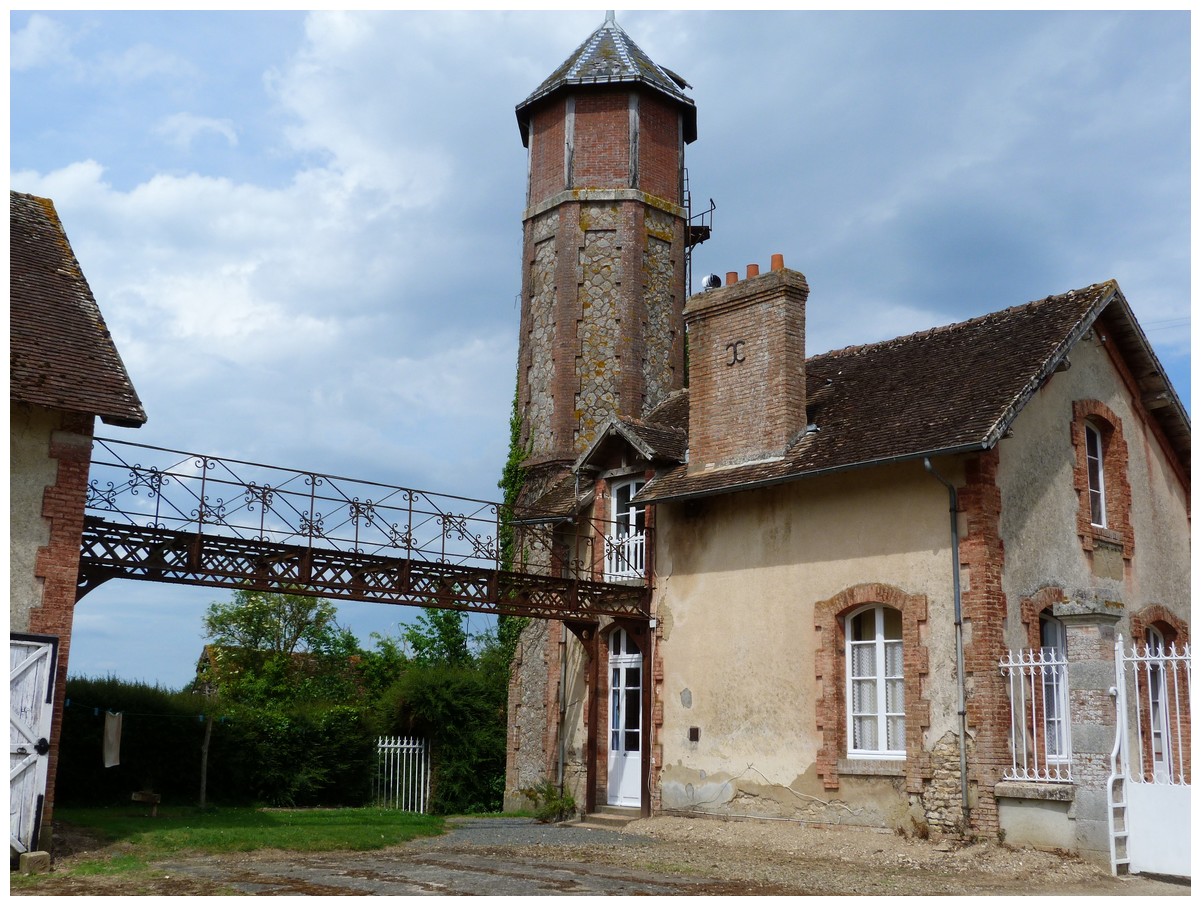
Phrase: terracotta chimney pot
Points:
(752, 270)
(731, 278)
(777, 262)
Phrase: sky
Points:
(304, 229)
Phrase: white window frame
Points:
(1094, 455)
(1157, 702)
(878, 646)
(1053, 642)
(625, 550)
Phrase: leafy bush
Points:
(461, 711)
(297, 754)
(550, 803)
(294, 757)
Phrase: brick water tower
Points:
(606, 240)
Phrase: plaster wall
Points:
(1039, 503)
(1038, 823)
(31, 471)
(738, 577)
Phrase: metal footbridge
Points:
(169, 516)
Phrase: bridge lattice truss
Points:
(169, 516)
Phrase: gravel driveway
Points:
(657, 856)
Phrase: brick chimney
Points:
(746, 351)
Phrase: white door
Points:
(625, 720)
(32, 664)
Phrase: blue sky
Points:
(304, 229)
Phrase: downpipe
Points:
(954, 496)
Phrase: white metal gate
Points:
(1150, 772)
(402, 774)
(33, 661)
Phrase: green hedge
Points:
(309, 755)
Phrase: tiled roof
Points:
(609, 56)
(558, 501)
(672, 413)
(61, 355)
(950, 389)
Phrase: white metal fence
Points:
(1040, 735)
(402, 774)
(1149, 787)
(1157, 685)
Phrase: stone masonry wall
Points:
(538, 399)
(598, 362)
(662, 320)
(528, 723)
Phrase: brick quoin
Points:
(57, 564)
(982, 555)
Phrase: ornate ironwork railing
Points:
(188, 517)
(1040, 737)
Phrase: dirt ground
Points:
(658, 856)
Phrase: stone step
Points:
(610, 817)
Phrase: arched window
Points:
(875, 683)
(1101, 482)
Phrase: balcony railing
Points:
(625, 557)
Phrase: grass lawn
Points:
(245, 829)
(134, 840)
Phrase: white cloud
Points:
(43, 42)
(182, 129)
(144, 61)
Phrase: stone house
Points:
(64, 373)
(858, 561)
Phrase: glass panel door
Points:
(625, 720)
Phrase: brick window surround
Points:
(1033, 607)
(1171, 627)
(830, 618)
(1115, 460)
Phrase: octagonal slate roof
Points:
(609, 56)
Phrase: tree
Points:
(272, 647)
(453, 692)
(439, 638)
(272, 623)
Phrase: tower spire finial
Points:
(610, 17)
